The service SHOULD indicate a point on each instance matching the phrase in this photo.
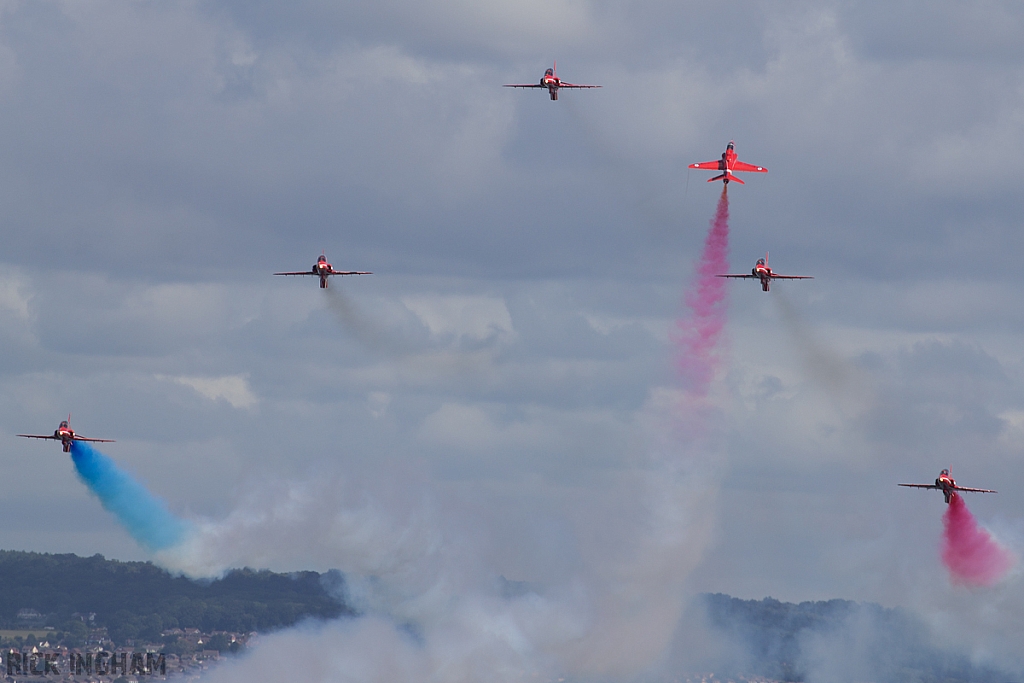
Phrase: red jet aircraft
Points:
(727, 164)
(323, 270)
(947, 484)
(552, 82)
(65, 434)
(763, 272)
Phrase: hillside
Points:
(834, 640)
(137, 600)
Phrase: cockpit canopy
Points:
(549, 72)
(944, 473)
(63, 424)
(760, 261)
(321, 259)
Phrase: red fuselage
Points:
(552, 83)
(948, 485)
(66, 435)
(728, 158)
(763, 273)
(323, 269)
(728, 163)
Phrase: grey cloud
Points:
(983, 31)
(947, 398)
(215, 181)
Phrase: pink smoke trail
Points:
(970, 553)
(697, 360)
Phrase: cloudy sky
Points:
(495, 384)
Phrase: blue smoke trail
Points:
(145, 516)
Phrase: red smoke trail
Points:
(969, 552)
(697, 360)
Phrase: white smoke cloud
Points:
(430, 596)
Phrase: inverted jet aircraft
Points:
(947, 484)
(761, 271)
(323, 270)
(727, 164)
(65, 434)
(552, 82)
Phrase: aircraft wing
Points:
(350, 272)
(791, 277)
(964, 488)
(573, 85)
(524, 85)
(82, 438)
(920, 486)
(40, 436)
(744, 166)
(745, 275)
(708, 165)
(298, 272)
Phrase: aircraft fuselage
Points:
(323, 269)
(726, 164)
(66, 435)
(551, 82)
(948, 486)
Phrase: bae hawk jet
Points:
(552, 82)
(65, 434)
(323, 270)
(727, 164)
(947, 484)
(761, 271)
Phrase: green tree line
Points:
(138, 600)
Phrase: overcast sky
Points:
(511, 354)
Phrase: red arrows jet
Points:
(552, 82)
(323, 270)
(727, 164)
(947, 484)
(65, 434)
(763, 272)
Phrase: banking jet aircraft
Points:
(323, 270)
(763, 272)
(65, 434)
(552, 82)
(947, 484)
(727, 164)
